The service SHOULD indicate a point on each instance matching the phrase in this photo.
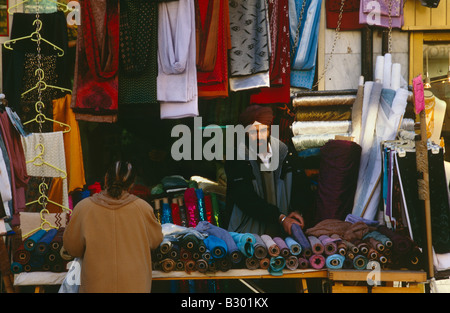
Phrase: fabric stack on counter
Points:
(42, 251)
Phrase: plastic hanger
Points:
(43, 223)
(64, 7)
(43, 199)
(42, 162)
(40, 118)
(34, 36)
(40, 72)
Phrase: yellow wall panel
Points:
(423, 16)
(439, 14)
(409, 13)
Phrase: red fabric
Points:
(350, 14)
(96, 80)
(279, 90)
(208, 209)
(95, 188)
(215, 83)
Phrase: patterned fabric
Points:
(138, 52)
(248, 24)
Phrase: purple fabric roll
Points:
(303, 263)
(330, 246)
(316, 244)
(299, 236)
(284, 249)
(292, 262)
(338, 175)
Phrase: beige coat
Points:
(114, 238)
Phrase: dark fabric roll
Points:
(348, 264)
(174, 252)
(16, 268)
(36, 261)
(372, 254)
(360, 262)
(316, 244)
(206, 256)
(185, 255)
(167, 265)
(292, 262)
(57, 241)
(362, 246)
(179, 265)
(338, 175)
(52, 257)
(299, 236)
(284, 249)
(21, 255)
(165, 246)
(264, 263)
(201, 266)
(225, 264)
(350, 246)
(190, 242)
(400, 244)
(189, 266)
(303, 263)
(30, 242)
(260, 248)
(375, 244)
(58, 267)
(252, 263)
(43, 245)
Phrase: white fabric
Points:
(387, 70)
(5, 186)
(177, 72)
(53, 155)
(259, 80)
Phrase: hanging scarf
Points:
(303, 60)
(207, 31)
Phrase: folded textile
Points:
(260, 248)
(245, 243)
(316, 244)
(293, 245)
(271, 246)
(346, 230)
(284, 249)
(217, 246)
(335, 261)
(277, 263)
(354, 218)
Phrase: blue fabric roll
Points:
(245, 243)
(299, 236)
(166, 216)
(201, 204)
(276, 265)
(360, 262)
(43, 245)
(216, 246)
(16, 268)
(210, 229)
(335, 261)
(293, 245)
(30, 242)
(260, 248)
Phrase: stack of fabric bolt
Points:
(42, 251)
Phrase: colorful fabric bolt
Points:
(335, 261)
(299, 236)
(43, 245)
(217, 246)
(245, 243)
(294, 247)
(284, 249)
(276, 265)
(271, 246)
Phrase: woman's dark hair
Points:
(119, 177)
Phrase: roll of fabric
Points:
(174, 252)
(233, 251)
(215, 210)
(303, 142)
(167, 265)
(316, 244)
(166, 214)
(303, 263)
(179, 265)
(58, 267)
(372, 254)
(260, 248)
(36, 261)
(201, 204)
(52, 257)
(299, 236)
(43, 245)
(165, 246)
(212, 266)
(320, 127)
(351, 247)
(400, 244)
(375, 244)
(208, 208)
(201, 266)
(245, 243)
(191, 205)
(225, 264)
(264, 263)
(292, 262)
(277, 263)
(342, 248)
(176, 216)
(335, 261)
(217, 246)
(317, 261)
(21, 255)
(284, 249)
(380, 237)
(190, 242)
(271, 246)
(16, 268)
(30, 242)
(338, 175)
(58, 239)
(185, 255)
(189, 266)
(330, 246)
(360, 262)
(27, 268)
(202, 247)
(348, 264)
(362, 246)
(207, 256)
(252, 263)
(294, 247)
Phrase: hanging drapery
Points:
(138, 67)
(279, 71)
(177, 74)
(95, 91)
(376, 13)
(249, 54)
(213, 42)
(350, 14)
(304, 41)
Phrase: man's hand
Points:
(291, 218)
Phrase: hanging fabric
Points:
(176, 60)
(390, 13)
(350, 14)
(304, 21)
(138, 67)
(279, 71)
(213, 42)
(249, 62)
(95, 91)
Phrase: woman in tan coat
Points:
(113, 232)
